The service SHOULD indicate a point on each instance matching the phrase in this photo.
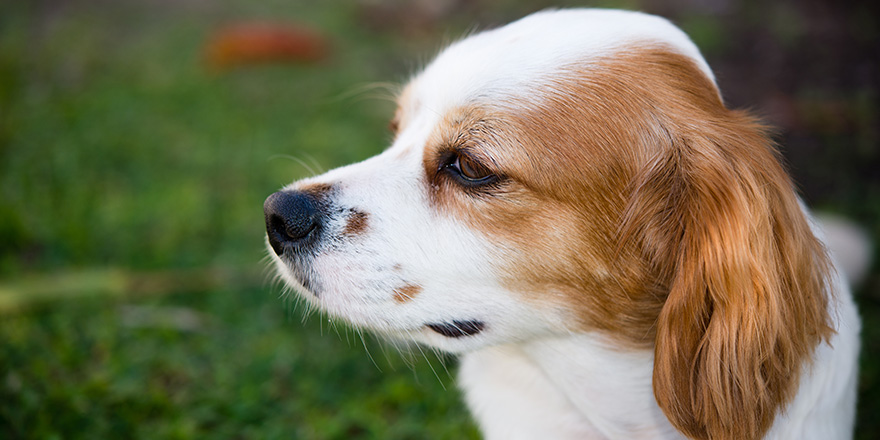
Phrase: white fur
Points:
(528, 375)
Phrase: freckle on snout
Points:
(406, 293)
(356, 223)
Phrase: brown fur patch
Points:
(316, 189)
(356, 223)
(633, 197)
(558, 205)
(406, 293)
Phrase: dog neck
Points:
(601, 391)
(610, 387)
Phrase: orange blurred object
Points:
(264, 43)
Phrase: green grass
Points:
(132, 178)
(124, 149)
(121, 151)
(240, 368)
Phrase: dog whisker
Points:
(312, 171)
(315, 163)
(383, 91)
(367, 349)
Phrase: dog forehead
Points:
(509, 59)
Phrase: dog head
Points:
(574, 171)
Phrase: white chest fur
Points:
(566, 388)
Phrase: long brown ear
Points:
(717, 218)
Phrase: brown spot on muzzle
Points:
(356, 223)
(406, 293)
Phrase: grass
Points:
(136, 154)
(122, 156)
(239, 369)
(132, 300)
(240, 372)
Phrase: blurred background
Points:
(138, 139)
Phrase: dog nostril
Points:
(289, 230)
(291, 217)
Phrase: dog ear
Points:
(717, 218)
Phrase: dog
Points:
(569, 206)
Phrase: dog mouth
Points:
(458, 329)
(311, 285)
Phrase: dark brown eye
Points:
(471, 170)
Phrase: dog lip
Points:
(458, 329)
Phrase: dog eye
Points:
(471, 170)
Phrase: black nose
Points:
(292, 220)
